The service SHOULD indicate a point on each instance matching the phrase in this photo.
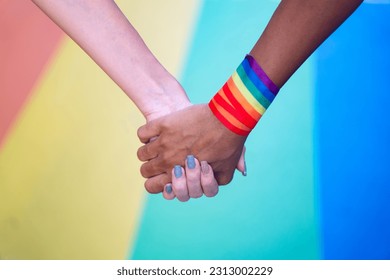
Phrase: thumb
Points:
(241, 165)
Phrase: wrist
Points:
(168, 97)
(219, 127)
(244, 98)
(152, 88)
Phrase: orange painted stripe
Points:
(28, 40)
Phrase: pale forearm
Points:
(295, 30)
(101, 29)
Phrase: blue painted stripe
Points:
(354, 135)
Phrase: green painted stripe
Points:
(271, 213)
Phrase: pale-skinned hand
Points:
(195, 179)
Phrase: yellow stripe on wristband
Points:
(248, 96)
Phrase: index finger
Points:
(148, 131)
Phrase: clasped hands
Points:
(189, 153)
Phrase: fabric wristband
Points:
(244, 98)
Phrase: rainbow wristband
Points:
(243, 99)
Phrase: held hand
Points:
(193, 130)
(195, 179)
(192, 181)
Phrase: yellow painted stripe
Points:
(244, 91)
(69, 180)
(165, 26)
(167, 29)
(69, 176)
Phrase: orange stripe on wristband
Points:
(226, 122)
(231, 110)
(241, 99)
(231, 118)
(250, 114)
(223, 95)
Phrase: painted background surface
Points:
(318, 173)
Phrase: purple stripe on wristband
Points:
(262, 75)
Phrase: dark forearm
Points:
(295, 30)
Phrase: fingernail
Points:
(244, 173)
(204, 167)
(168, 188)
(177, 171)
(191, 162)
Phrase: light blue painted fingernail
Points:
(177, 171)
(244, 173)
(168, 188)
(191, 162)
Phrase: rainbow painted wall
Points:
(318, 184)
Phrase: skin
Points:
(195, 131)
(188, 186)
(104, 33)
(195, 181)
(295, 30)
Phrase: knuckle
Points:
(145, 153)
(211, 193)
(225, 179)
(164, 159)
(140, 154)
(146, 150)
(165, 180)
(140, 133)
(183, 198)
(196, 195)
(156, 184)
(169, 177)
(164, 124)
(207, 182)
(148, 186)
(163, 141)
(192, 181)
(180, 189)
(166, 142)
(145, 170)
(153, 187)
(168, 163)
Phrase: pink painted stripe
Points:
(28, 39)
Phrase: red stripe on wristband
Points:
(236, 94)
(225, 122)
(240, 110)
(222, 102)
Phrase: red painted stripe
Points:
(28, 38)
